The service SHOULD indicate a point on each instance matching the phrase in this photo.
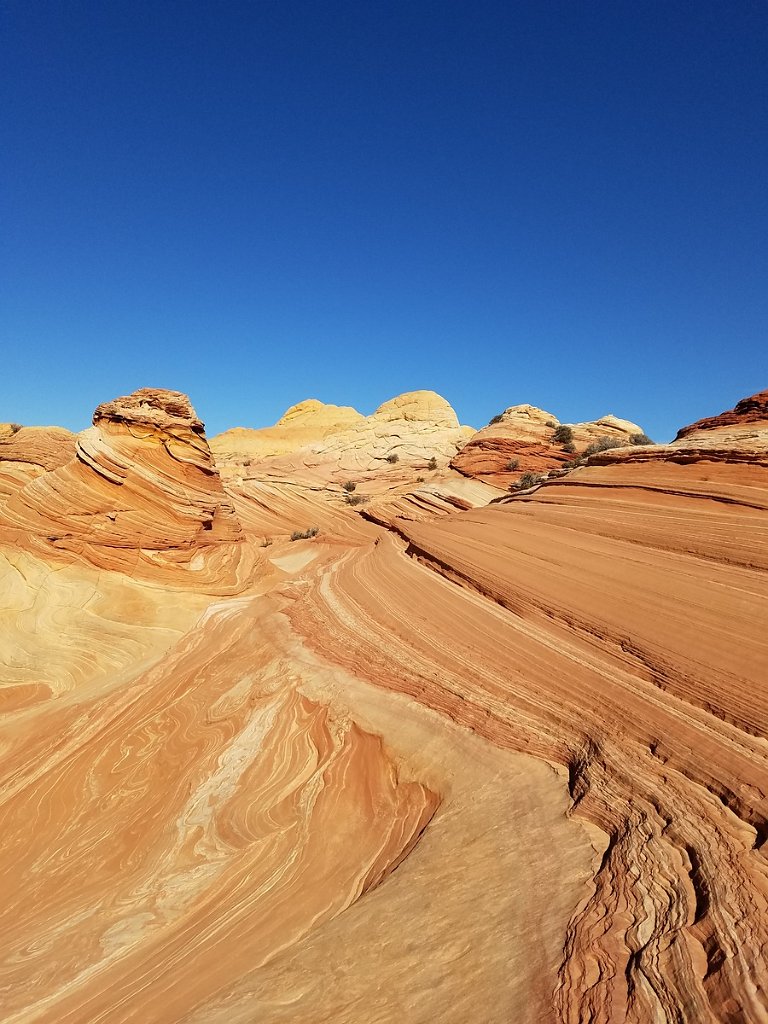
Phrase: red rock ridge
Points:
(749, 410)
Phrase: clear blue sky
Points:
(562, 203)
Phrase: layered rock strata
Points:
(317, 444)
(459, 763)
(524, 439)
(142, 495)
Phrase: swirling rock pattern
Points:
(28, 452)
(615, 621)
(442, 760)
(162, 840)
(142, 495)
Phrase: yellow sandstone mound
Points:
(317, 444)
(303, 424)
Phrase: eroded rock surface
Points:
(526, 439)
(443, 759)
(142, 494)
(317, 444)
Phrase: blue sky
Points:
(561, 203)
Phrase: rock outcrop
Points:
(28, 452)
(747, 412)
(304, 424)
(526, 439)
(142, 495)
(317, 444)
(44, 447)
(739, 435)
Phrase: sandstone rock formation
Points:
(738, 435)
(45, 447)
(443, 760)
(27, 452)
(141, 494)
(306, 423)
(316, 444)
(526, 439)
(752, 410)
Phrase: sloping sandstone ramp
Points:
(615, 622)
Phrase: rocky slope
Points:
(526, 439)
(739, 435)
(443, 760)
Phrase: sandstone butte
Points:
(524, 439)
(464, 755)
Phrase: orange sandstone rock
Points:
(525, 439)
(142, 495)
(749, 410)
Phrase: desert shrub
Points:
(550, 423)
(356, 499)
(393, 457)
(311, 531)
(527, 480)
(563, 434)
(247, 462)
(496, 419)
(602, 444)
(432, 464)
(420, 479)
(513, 465)
(16, 427)
(569, 447)
(349, 486)
(641, 439)
(266, 542)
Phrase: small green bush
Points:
(641, 439)
(513, 465)
(393, 457)
(496, 419)
(527, 480)
(420, 479)
(15, 428)
(569, 447)
(311, 531)
(356, 499)
(563, 434)
(602, 444)
(349, 486)
(432, 464)
(550, 423)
